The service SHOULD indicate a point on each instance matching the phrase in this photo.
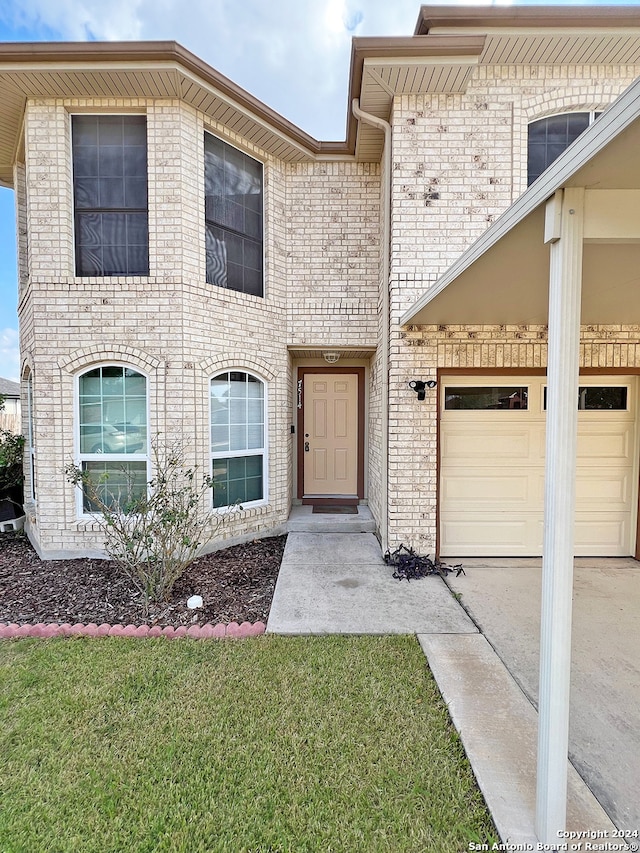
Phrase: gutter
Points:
(383, 125)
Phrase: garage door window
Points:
(487, 397)
(600, 398)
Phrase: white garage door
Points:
(492, 448)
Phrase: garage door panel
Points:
(606, 443)
(507, 536)
(484, 487)
(460, 444)
(597, 535)
(611, 489)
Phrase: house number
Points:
(299, 393)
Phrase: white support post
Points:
(565, 217)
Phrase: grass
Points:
(270, 745)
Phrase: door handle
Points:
(306, 447)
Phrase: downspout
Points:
(383, 125)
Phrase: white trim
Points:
(239, 454)
(565, 285)
(79, 457)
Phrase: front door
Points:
(330, 435)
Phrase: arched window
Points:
(238, 459)
(30, 442)
(112, 440)
(549, 137)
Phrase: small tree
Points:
(153, 531)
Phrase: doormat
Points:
(336, 510)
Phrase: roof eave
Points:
(518, 17)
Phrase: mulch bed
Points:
(236, 585)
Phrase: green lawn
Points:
(271, 744)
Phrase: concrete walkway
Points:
(338, 583)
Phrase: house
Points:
(10, 412)
(193, 265)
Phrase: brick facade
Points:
(458, 162)
(321, 263)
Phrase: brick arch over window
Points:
(217, 364)
(87, 356)
(546, 105)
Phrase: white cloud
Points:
(9, 354)
(293, 54)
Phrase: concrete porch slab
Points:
(302, 519)
(337, 583)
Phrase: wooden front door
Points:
(331, 432)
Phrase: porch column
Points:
(564, 230)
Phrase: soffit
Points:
(542, 35)
(385, 68)
(562, 48)
(306, 352)
(138, 70)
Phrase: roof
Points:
(490, 283)
(449, 43)
(8, 388)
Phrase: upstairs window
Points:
(110, 194)
(549, 137)
(233, 217)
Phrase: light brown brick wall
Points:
(172, 325)
(459, 162)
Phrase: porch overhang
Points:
(503, 278)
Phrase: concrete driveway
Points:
(502, 596)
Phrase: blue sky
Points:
(255, 43)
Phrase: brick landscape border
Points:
(194, 632)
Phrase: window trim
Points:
(74, 258)
(79, 457)
(219, 137)
(30, 440)
(236, 454)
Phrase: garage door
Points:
(492, 448)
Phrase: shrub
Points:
(154, 532)
(11, 452)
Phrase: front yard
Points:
(271, 744)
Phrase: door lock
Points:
(306, 447)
